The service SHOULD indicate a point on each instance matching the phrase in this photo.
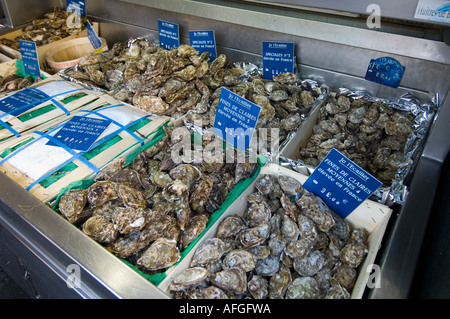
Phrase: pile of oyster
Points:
(13, 82)
(151, 210)
(52, 27)
(288, 244)
(372, 134)
(183, 84)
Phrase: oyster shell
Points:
(100, 229)
(208, 251)
(188, 278)
(303, 288)
(233, 280)
(161, 254)
(72, 204)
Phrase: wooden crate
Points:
(41, 50)
(369, 215)
(80, 98)
(22, 148)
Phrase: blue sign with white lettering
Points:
(93, 37)
(341, 183)
(204, 41)
(22, 101)
(385, 70)
(235, 119)
(80, 132)
(278, 57)
(168, 35)
(30, 59)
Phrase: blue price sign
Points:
(235, 119)
(278, 57)
(341, 183)
(30, 59)
(22, 101)
(79, 133)
(385, 70)
(204, 41)
(168, 35)
(93, 37)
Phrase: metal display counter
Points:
(43, 246)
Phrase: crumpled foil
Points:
(424, 115)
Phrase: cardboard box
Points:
(369, 215)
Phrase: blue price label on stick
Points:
(22, 101)
(235, 119)
(30, 59)
(278, 57)
(168, 35)
(341, 183)
(385, 70)
(79, 133)
(93, 37)
(204, 41)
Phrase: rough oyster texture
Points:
(311, 255)
(151, 210)
(372, 134)
(185, 85)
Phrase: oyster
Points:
(258, 287)
(101, 192)
(129, 219)
(239, 258)
(72, 204)
(188, 278)
(100, 229)
(303, 288)
(233, 280)
(161, 254)
(230, 226)
(208, 251)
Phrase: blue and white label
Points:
(433, 10)
(204, 41)
(385, 70)
(30, 58)
(79, 6)
(80, 132)
(168, 35)
(235, 119)
(93, 37)
(341, 183)
(278, 57)
(22, 101)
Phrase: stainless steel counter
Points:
(335, 54)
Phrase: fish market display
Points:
(373, 134)
(52, 27)
(288, 244)
(183, 84)
(149, 211)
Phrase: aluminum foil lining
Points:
(424, 113)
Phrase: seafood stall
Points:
(129, 216)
